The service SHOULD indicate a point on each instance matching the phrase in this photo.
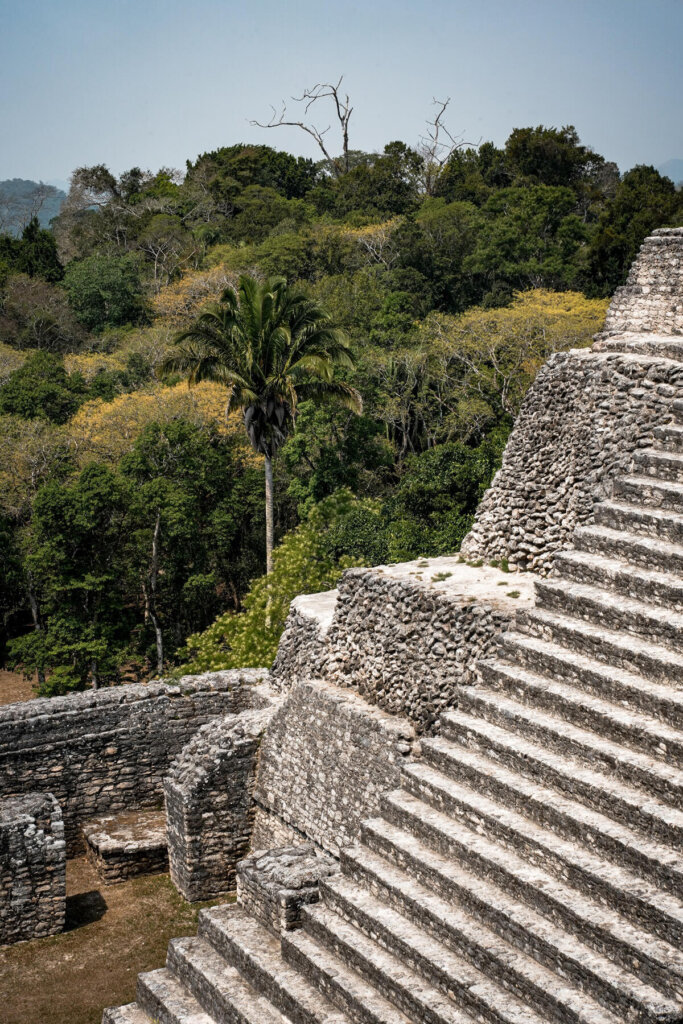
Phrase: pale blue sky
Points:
(153, 82)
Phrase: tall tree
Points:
(271, 346)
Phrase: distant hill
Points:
(673, 169)
(20, 199)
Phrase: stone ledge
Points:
(126, 845)
(274, 885)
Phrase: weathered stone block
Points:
(274, 885)
(126, 845)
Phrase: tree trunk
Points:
(153, 595)
(269, 531)
(269, 514)
(37, 624)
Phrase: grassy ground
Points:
(14, 686)
(112, 933)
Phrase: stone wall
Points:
(580, 423)
(209, 806)
(32, 867)
(651, 299)
(403, 636)
(106, 751)
(325, 761)
(275, 885)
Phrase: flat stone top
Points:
(463, 583)
(26, 805)
(288, 867)
(317, 606)
(134, 829)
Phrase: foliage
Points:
(105, 291)
(36, 314)
(41, 388)
(307, 560)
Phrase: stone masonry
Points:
(527, 868)
(106, 751)
(32, 867)
(405, 637)
(209, 805)
(275, 885)
(125, 845)
(585, 418)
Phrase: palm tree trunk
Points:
(269, 514)
(269, 531)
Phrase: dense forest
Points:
(132, 516)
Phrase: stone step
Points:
(661, 346)
(599, 607)
(649, 552)
(445, 855)
(167, 1001)
(652, 522)
(678, 409)
(523, 950)
(634, 728)
(485, 758)
(661, 464)
(644, 903)
(520, 983)
(619, 576)
(602, 791)
(129, 1014)
(618, 650)
(631, 690)
(650, 492)
(219, 988)
(661, 780)
(344, 987)
(404, 978)
(245, 944)
(669, 437)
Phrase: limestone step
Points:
(344, 987)
(678, 409)
(669, 437)
(661, 464)
(520, 983)
(129, 1014)
(167, 1001)
(609, 646)
(404, 978)
(636, 729)
(650, 492)
(519, 947)
(598, 607)
(649, 552)
(661, 346)
(486, 759)
(218, 987)
(653, 776)
(644, 903)
(623, 515)
(249, 947)
(600, 790)
(615, 574)
(633, 690)
(445, 855)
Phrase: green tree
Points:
(42, 388)
(271, 347)
(37, 255)
(105, 291)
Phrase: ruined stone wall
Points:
(325, 761)
(580, 423)
(405, 637)
(209, 807)
(107, 751)
(652, 298)
(32, 868)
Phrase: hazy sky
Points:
(153, 82)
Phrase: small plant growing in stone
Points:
(439, 576)
(512, 593)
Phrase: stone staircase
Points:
(529, 868)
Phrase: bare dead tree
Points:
(437, 145)
(343, 110)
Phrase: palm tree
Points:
(271, 347)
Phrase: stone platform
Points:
(274, 885)
(126, 845)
